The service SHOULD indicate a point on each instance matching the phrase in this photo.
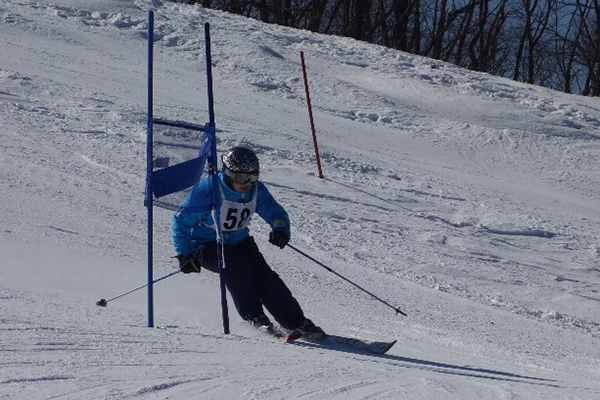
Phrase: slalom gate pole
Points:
(104, 302)
(149, 160)
(398, 311)
(213, 171)
(310, 115)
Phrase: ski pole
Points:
(398, 311)
(104, 302)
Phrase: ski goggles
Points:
(242, 178)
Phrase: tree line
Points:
(551, 43)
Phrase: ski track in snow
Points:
(138, 356)
(469, 200)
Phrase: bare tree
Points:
(536, 14)
(549, 42)
(585, 44)
(459, 32)
(316, 11)
(401, 11)
(567, 29)
(594, 70)
(414, 46)
(439, 28)
(357, 19)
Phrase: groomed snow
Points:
(469, 201)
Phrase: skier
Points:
(249, 279)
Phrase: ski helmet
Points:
(240, 165)
(241, 160)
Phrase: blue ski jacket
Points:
(193, 225)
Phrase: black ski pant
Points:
(252, 283)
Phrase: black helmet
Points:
(240, 164)
(241, 159)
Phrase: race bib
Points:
(235, 216)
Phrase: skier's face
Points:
(243, 189)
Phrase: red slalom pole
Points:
(310, 115)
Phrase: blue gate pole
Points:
(213, 170)
(149, 158)
(211, 107)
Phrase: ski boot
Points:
(310, 331)
(262, 323)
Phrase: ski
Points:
(343, 343)
(333, 342)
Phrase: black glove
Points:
(188, 264)
(279, 239)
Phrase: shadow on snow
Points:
(433, 366)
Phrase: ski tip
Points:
(102, 303)
(391, 344)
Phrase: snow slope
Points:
(469, 201)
